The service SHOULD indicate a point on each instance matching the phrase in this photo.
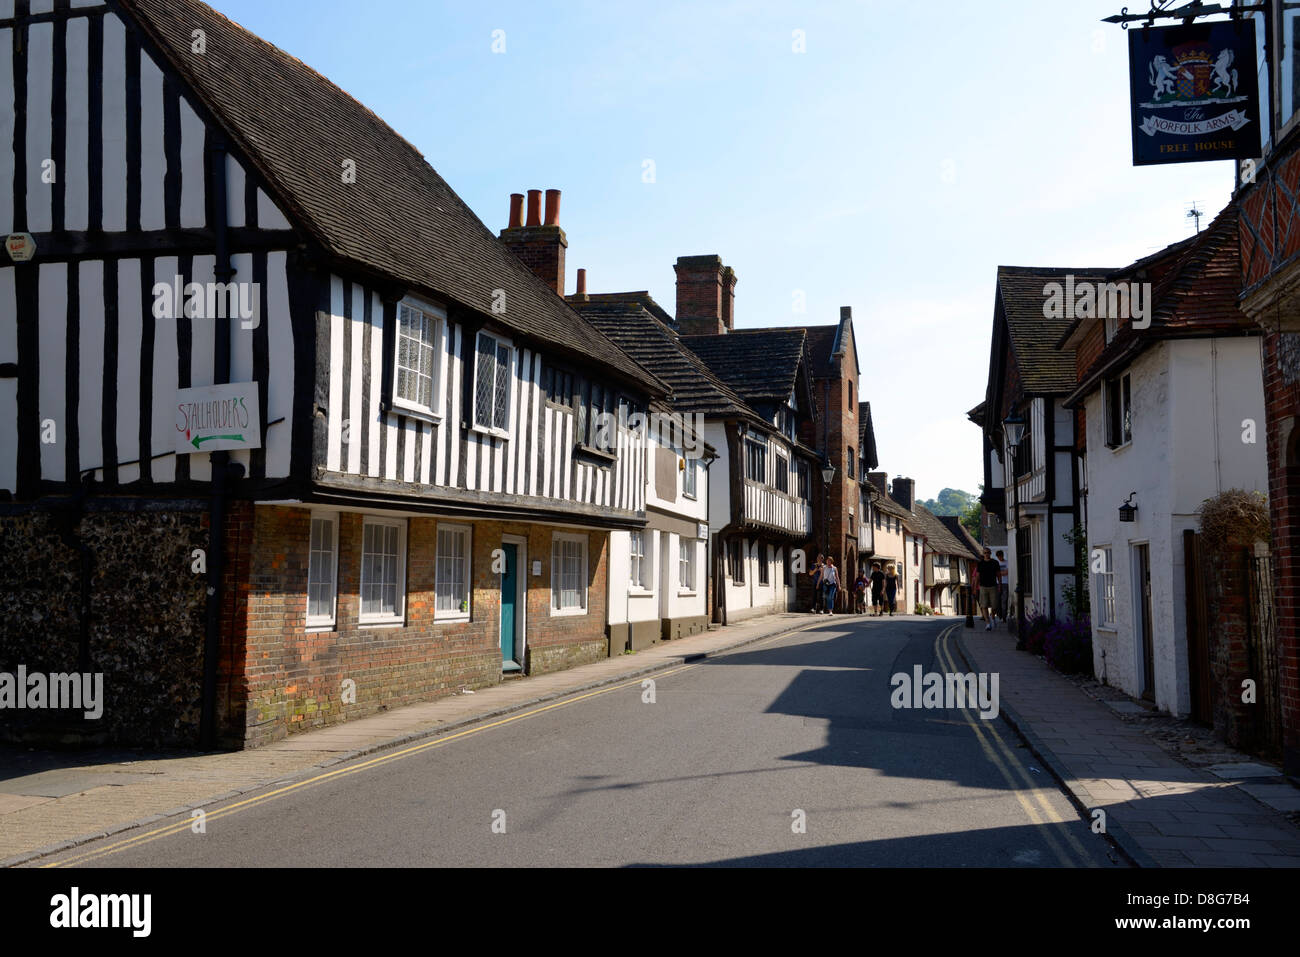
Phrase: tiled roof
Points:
(635, 322)
(820, 340)
(761, 364)
(1043, 367)
(939, 537)
(399, 219)
(887, 505)
(1194, 294)
(958, 530)
(867, 435)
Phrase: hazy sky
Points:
(891, 167)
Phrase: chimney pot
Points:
(552, 207)
(516, 211)
(582, 282)
(534, 207)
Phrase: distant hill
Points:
(951, 501)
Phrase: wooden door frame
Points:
(521, 599)
(1143, 614)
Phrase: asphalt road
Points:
(721, 768)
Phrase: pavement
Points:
(1160, 812)
(51, 801)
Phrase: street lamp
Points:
(828, 476)
(1014, 425)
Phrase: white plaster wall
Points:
(1189, 400)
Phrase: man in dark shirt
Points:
(987, 572)
(877, 589)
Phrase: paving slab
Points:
(1159, 812)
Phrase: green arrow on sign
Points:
(208, 438)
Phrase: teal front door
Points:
(509, 588)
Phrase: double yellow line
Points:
(177, 827)
(1032, 798)
(184, 824)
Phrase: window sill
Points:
(1121, 448)
(414, 412)
(1108, 629)
(568, 612)
(688, 594)
(319, 626)
(382, 623)
(596, 453)
(640, 593)
(446, 617)
(494, 433)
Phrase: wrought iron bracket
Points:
(1165, 10)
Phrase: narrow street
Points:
(712, 771)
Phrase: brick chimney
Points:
(705, 295)
(903, 491)
(539, 244)
(880, 480)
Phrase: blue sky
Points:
(891, 167)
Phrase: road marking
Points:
(1050, 822)
(178, 826)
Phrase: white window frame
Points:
(318, 621)
(432, 411)
(690, 478)
(477, 426)
(1119, 381)
(584, 606)
(448, 614)
(1105, 583)
(686, 551)
(384, 618)
(641, 561)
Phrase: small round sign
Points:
(21, 247)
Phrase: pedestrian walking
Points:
(1003, 579)
(816, 573)
(877, 589)
(830, 583)
(987, 574)
(860, 592)
(891, 588)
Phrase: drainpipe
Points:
(221, 465)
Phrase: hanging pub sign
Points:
(1194, 93)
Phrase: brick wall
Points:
(294, 677)
(1282, 399)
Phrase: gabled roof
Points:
(399, 220)
(1196, 284)
(1043, 367)
(761, 364)
(636, 323)
(958, 530)
(867, 435)
(939, 538)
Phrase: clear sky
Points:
(891, 166)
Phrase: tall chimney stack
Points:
(880, 480)
(582, 284)
(903, 491)
(700, 295)
(728, 304)
(540, 245)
